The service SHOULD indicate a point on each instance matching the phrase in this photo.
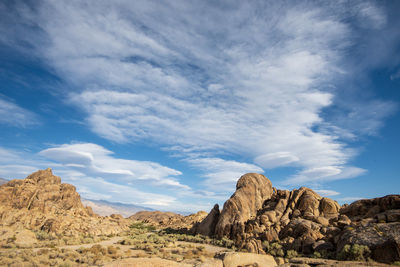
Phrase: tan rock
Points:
(322, 220)
(207, 226)
(148, 262)
(328, 207)
(42, 202)
(252, 190)
(370, 207)
(235, 259)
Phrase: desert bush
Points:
(98, 250)
(66, 263)
(354, 252)
(275, 249)
(291, 254)
(174, 236)
(112, 250)
(316, 254)
(142, 226)
(43, 235)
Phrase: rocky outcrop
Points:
(207, 226)
(383, 209)
(235, 259)
(308, 262)
(42, 202)
(257, 212)
(374, 223)
(252, 190)
(303, 221)
(169, 219)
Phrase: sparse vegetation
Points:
(354, 252)
(275, 249)
(142, 227)
(291, 254)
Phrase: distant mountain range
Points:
(3, 181)
(105, 208)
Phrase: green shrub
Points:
(291, 254)
(43, 235)
(275, 249)
(142, 226)
(355, 252)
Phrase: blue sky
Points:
(166, 104)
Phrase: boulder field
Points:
(40, 202)
(303, 221)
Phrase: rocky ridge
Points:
(303, 221)
(40, 202)
(169, 219)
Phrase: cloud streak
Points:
(208, 83)
(14, 115)
(84, 166)
(95, 160)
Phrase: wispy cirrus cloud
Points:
(15, 115)
(117, 179)
(95, 160)
(202, 78)
(327, 193)
(220, 175)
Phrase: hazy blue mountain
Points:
(3, 181)
(104, 207)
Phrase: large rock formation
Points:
(42, 202)
(303, 221)
(252, 190)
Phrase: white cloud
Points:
(324, 174)
(327, 193)
(370, 15)
(277, 159)
(95, 180)
(14, 115)
(98, 189)
(197, 79)
(95, 160)
(221, 175)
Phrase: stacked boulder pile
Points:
(40, 202)
(303, 221)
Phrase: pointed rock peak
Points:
(44, 177)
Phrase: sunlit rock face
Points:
(304, 221)
(42, 202)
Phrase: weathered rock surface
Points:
(42, 202)
(148, 262)
(305, 262)
(169, 219)
(303, 221)
(207, 226)
(252, 190)
(384, 209)
(235, 259)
